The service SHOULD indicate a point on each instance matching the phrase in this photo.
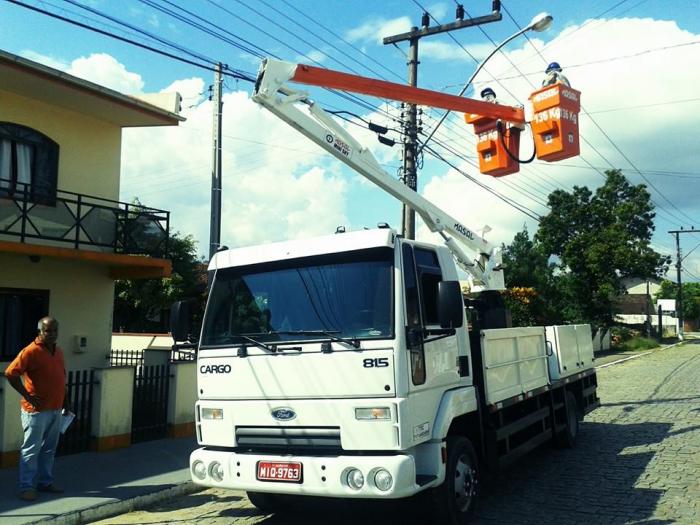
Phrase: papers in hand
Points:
(67, 418)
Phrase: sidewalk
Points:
(612, 356)
(101, 484)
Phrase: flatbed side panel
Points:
(514, 361)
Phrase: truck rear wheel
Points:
(454, 501)
(567, 437)
(268, 503)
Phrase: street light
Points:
(539, 23)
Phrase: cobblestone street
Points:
(637, 461)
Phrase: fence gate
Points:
(78, 437)
(149, 416)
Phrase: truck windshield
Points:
(347, 294)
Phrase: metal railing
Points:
(149, 413)
(120, 357)
(82, 221)
(79, 388)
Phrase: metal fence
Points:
(149, 417)
(78, 437)
(117, 357)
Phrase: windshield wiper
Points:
(354, 342)
(243, 351)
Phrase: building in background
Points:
(64, 236)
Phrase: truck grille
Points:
(288, 438)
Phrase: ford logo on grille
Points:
(283, 414)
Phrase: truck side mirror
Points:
(180, 320)
(450, 304)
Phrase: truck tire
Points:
(268, 503)
(453, 502)
(567, 437)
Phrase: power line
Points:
(230, 73)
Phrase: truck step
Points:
(424, 479)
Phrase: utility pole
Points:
(679, 260)
(215, 220)
(679, 299)
(647, 310)
(410, 172)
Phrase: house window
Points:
(20, 311)
(28, 164)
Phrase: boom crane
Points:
(484, 266)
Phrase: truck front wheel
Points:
(454, 501)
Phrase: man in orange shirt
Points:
(43, 391)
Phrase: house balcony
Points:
(130, 238)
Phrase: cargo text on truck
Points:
(352, 366)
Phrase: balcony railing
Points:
(73, 220)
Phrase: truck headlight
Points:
(212, 413)
(371, 414)
(216, 471)
(383, 479)
(199, 470)
(355, 479)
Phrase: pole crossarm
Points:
(327, 78)
(443, 28)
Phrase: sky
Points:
(635, 62)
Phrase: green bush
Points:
(621, 334)
(638, 343)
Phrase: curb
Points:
(639, 355)
(115, 508)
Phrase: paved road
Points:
(637, 461)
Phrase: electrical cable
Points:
(232, 73)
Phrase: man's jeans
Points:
(41, 432)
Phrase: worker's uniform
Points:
(45, 377)
(555, 77)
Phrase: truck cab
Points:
(325, 357)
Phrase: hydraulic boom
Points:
(484, 266)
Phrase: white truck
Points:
(348, 365)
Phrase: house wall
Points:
(81, 297)
(90, 149)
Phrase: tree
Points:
(599, 239)
(530, 288)
(143, 305)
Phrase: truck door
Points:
(433, 363)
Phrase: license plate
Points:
(288, 471)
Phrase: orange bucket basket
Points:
(554, 123)
(493, 157)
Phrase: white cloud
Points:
(436, 50)
(376, 29)
(105, 70)
(47, 60)
(99, 68)
(274, 184)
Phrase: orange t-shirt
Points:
(44, 375)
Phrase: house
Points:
(64, 235)
(637, 306)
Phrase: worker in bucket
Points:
(488, 95)
(554, 76)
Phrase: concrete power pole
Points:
(215, 220)
(410, 172)
(679, 300)
(679, 260)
